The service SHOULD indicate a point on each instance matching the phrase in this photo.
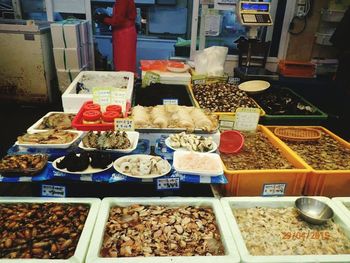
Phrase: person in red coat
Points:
(124, 34)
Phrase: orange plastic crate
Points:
(253, 182)
(300, 69)
(331, 183)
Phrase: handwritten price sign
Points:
(124, 124)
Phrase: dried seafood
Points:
(147, 230)
(59, 121)
(221, 97)
(48, 137)
(280, 231)
(23, 163)
(257, 153)
(173, 116)
(323, 154)
(79, 162)
(42, 231)
(145, 165)
(106, 140)
(191, 142)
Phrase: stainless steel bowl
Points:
(313, 210)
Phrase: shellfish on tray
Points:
(142, 166)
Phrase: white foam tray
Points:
(279, 202)
(72, 102)
(84, 240)
(50, 146)
(231, 255)
(34, 127)
(133, 137)
(340, 203)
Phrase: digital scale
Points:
(254, 15)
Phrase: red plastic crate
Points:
(297, 69)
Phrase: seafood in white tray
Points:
(280, 231)
(191, 142)
(142, 166)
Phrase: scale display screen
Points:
(255, 7)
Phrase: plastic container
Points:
(280, 202)
(231, 142)
(323, 39)
(332, 15)
(268, 182)
(79, 125)
(116, 108)
(290, 68)
(109, 116)
(91, 116)
(196, 104)
(84, 240)
(16, 162)
(329, 183)
(343, 204)
(72, 101)
(315, 119)
(231, 253)
(92, 106)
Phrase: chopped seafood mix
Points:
(59, 121)
(48, 137)
(280, 231)
(142, 165)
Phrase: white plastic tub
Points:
(229, 203)
(72, 101)
(342, 203)
(84, 240)
(231, 253)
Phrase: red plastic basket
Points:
(231, 142)
(79, 125)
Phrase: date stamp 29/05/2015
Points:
(303, 235)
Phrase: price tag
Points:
(274, 189)
(124, 124)
(150, 77)
(234, 81)
(170, 101)
(226, 122)
(198, 81)
(118, 97)
(101, 95)
(53, 190)
(212, 24)
(168, 183)
(247, 119)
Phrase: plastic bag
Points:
(210, 61)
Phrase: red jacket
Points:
(124, 14)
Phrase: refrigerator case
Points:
(27, 70)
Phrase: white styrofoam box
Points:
(65, 78)
(229, 203)
(85, 54)
(34, 127)
(72, 102)
(69, 33)
(84, 240)
(68, 58)
(231, 253)
(342, 203)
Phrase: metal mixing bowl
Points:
(313, 210)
